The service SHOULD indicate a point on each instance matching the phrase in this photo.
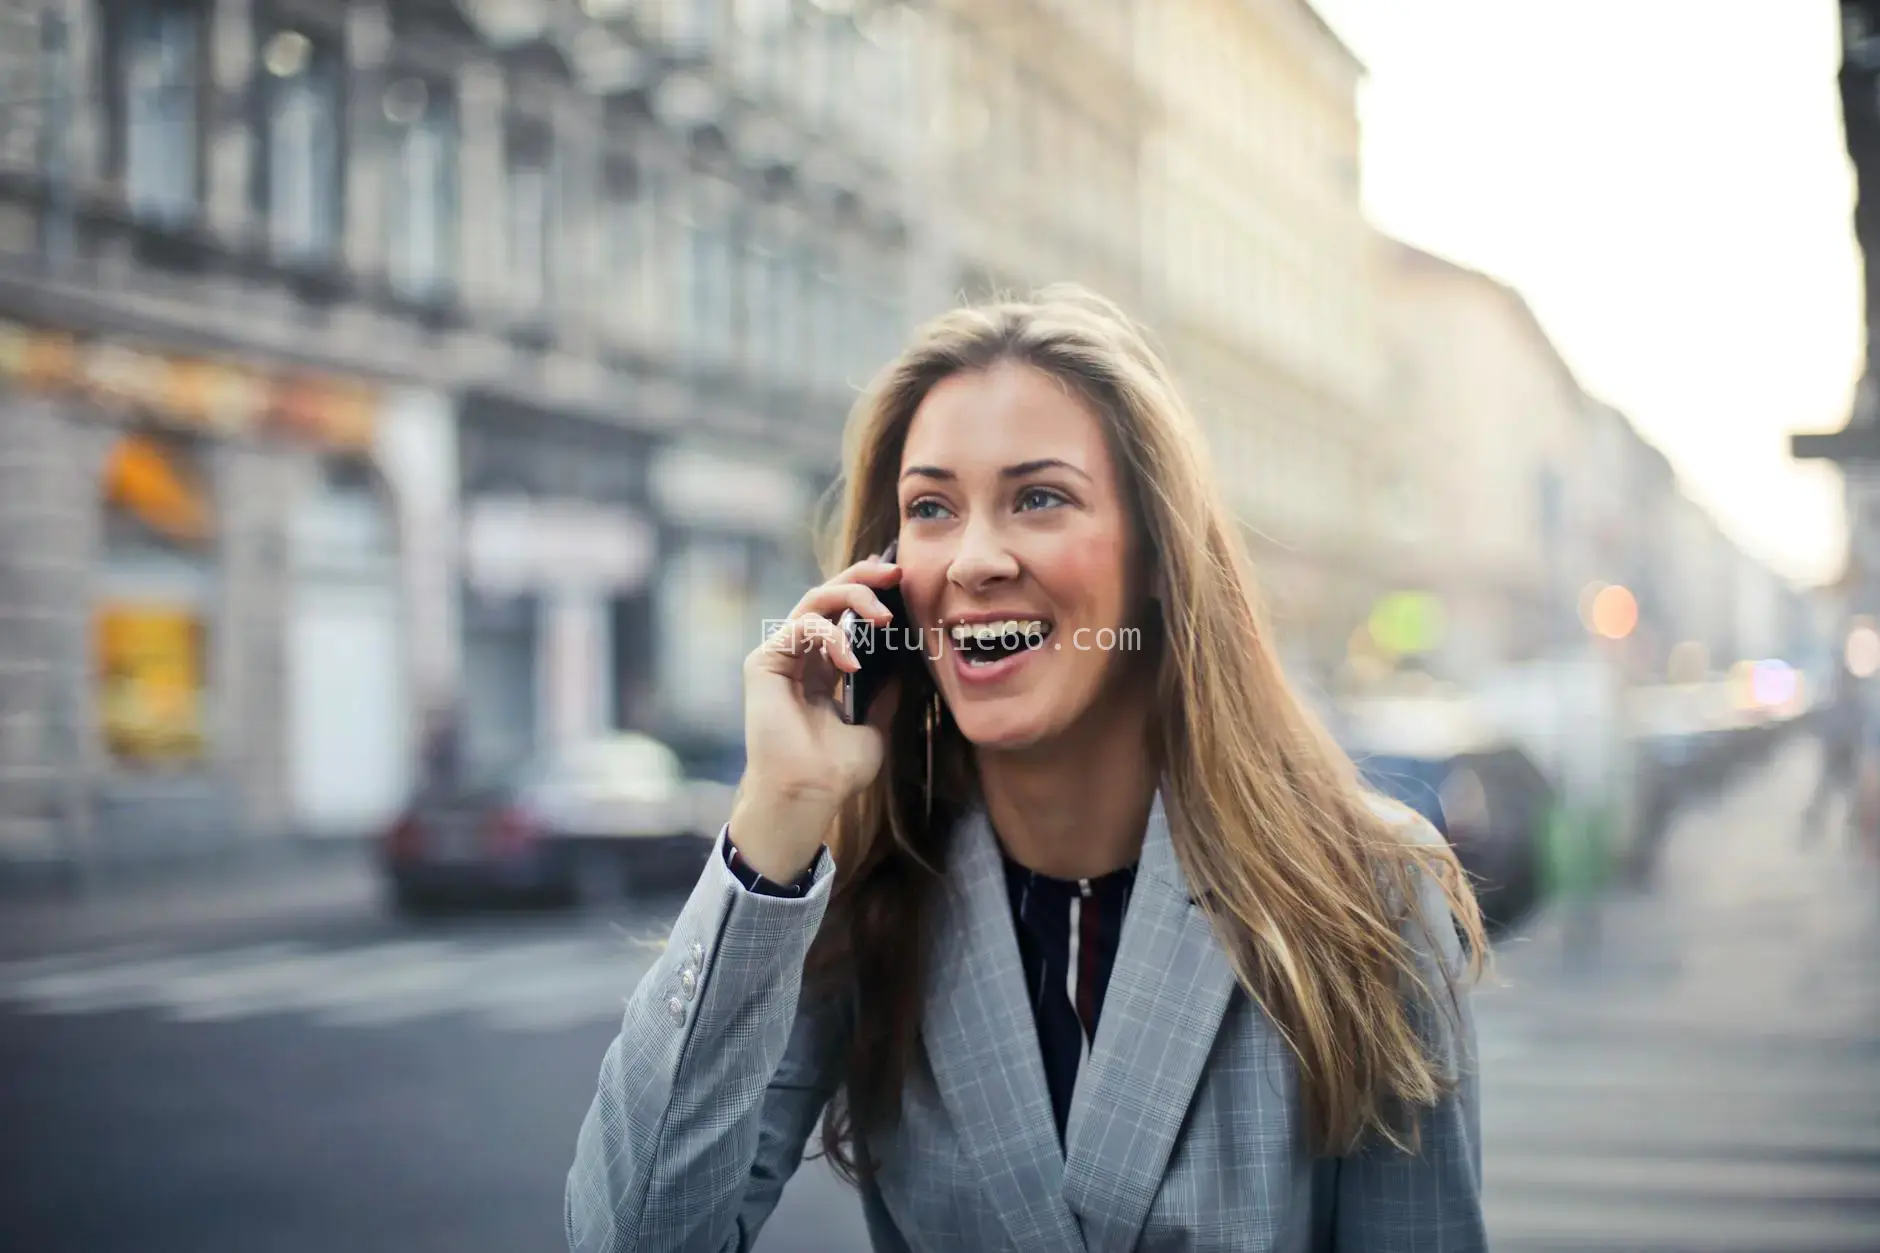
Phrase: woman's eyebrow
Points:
(1026, 468)
(1022, 470)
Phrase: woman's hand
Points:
(802, 761)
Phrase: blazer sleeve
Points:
(1387, 1201)
(715, 1081)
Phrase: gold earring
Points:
(933, 728)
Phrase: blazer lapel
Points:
(1167, 995)
(982, 1043)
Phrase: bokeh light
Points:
(1614, 613)
(1863, 651)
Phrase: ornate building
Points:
(370, 358)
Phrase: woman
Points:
(1091, 944)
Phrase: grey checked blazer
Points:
(1184, 1133)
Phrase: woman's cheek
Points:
(1086, 576)
(921, 591)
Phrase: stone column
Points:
(48, 497)
(256, 489)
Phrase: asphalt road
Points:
(288, 1068)
(337, 1080)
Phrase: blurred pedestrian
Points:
(1093, 794)
(1841, 727)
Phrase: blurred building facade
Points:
(1531, 497)
(376, 369)
(1488, 420)
(376, 361)
(1030, 162)
(1262, 288)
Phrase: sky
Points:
(1665, 181)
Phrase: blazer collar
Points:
(1167, 995)
(983, 1048)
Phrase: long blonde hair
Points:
(1305, 882)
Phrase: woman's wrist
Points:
(781, 836)
(754, 881)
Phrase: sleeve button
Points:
(698, 953)
(676, 1008)
(688, 982)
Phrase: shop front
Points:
(149, 548)
(558, 556)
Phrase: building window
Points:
(761, 29)
(157, 54)
(840, 100)
(421, 189)
(530, 219)
(713, 271)
(760, 296)
(781, 314)
(827, 311)
(800, 328)
(301, 134)
(691, 27)
(631, 294)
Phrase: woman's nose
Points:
(981, 559)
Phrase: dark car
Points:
(1491, 803)
(587, 822)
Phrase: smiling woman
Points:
(914, 924)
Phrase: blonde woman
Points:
(1088, 939)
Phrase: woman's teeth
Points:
(984, 643)
(1014, 630)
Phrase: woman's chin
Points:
(1005, 730)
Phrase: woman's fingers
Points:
(801, 636)
(871, 571)
(831, 599)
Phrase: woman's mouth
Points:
(983, 648)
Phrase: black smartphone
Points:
(877, 648)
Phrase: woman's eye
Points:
(1039, 498)
(926, 509)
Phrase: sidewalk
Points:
(1696, 1066)
(285, 883)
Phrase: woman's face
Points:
(1014, 532)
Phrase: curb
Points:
(127, 876)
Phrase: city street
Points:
(1706, 1076)
(318, 1076)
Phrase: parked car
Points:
(1491, 802)
(587, 822)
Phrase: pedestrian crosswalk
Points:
(498, 983)
(1707, 1074)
